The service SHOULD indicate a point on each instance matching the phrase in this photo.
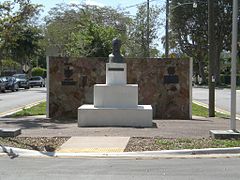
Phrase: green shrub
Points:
(226, 79)
(37, 71)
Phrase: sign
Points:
(68, 72)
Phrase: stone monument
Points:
(116, 102)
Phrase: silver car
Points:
(37, 81)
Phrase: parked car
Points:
(10, 83)
(23, 81)
(37, 81)
(2, 85)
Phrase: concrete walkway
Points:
(198, 127)
(92, 144)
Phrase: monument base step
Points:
(116, 96)
(90, 116)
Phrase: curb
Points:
(216, 109)
(186, 153)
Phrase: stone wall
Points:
(163, 83)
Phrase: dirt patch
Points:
(142, 144)
(47, 144)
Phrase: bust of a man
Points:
(116, 56)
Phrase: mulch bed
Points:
(142, 144)
(50, 144)
(47, 144)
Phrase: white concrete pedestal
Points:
(116, 73)
(141, 116)
(115, 103)
(117, 96)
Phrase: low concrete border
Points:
(188, 153)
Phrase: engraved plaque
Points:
(171, 79)
(115, 69)
(68, 72)
(68, 82)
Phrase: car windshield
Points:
(8, 78)
(3, 79)
(20, 76)
(35, 78)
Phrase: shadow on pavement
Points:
(30, 123)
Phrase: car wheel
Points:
(31, 86)
(17, 87)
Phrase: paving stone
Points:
(10, 132)
(95, 144)
(224, 134)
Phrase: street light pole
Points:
(211, 63)
(166, 30)
(148, 29)
(234, 64)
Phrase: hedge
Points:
(37, 71)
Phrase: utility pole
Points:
(211, 63)
(234, 64)
(148, 29)
(166, 30)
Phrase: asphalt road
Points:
(12, 100)
(222, 98)
(118, 169)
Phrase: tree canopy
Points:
(189, 31)
(19, 35)
(84, 30)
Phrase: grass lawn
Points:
(182, 143)
(39, 109)
(198, 110)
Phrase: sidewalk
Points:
(110, 142)
(198, 127)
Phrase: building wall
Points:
(163, 83)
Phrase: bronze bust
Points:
(116, 56)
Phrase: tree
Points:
(137, 34)
(93, 41)
(189, 33)
(83, 30)
(19, 34)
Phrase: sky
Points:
(48, 4)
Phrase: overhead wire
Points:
(135, 5)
